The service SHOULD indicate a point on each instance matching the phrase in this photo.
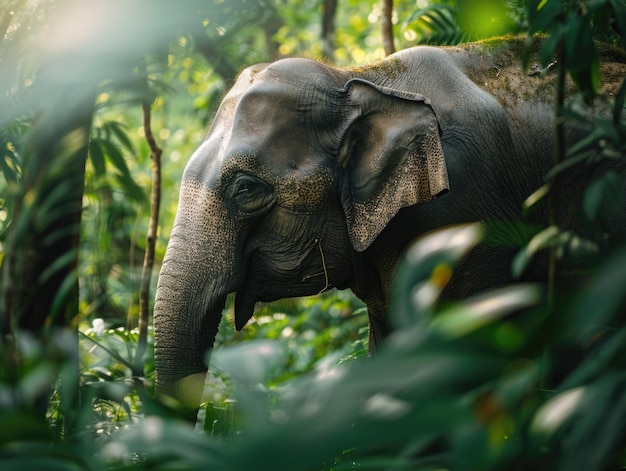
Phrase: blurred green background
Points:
(473, 386)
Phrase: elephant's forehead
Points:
(287, 102)
(270, 115)
(275, 102)
(271, 128)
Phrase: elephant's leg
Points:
(374, 287)
(376, 301)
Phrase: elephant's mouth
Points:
(313, 274)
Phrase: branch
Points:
(148, 260)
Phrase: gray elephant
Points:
(313, 177)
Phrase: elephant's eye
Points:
(250, 193)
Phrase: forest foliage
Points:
(469, 386)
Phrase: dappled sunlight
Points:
(386, 407)
(78, 24)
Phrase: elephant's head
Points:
(302, 169)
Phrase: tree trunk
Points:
(39, 284)
(387, 26)
(328, 29)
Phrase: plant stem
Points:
(559, 157)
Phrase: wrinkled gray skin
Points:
(313, 177)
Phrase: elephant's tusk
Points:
(318, 273)
(323, 266)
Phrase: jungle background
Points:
(101, 105)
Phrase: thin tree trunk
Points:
(148, 261)
(270, 28)
(328, 29)
(387, 26)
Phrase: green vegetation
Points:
(470, 386)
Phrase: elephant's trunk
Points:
(195, 278)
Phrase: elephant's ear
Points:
(391, 155)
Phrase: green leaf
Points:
(604, 296)
(251, 362)
(485, 309)
(604, 196)
(119, 130)
(435, 24)
(124, 177)
(115, 156)
(427, 268)
(582, 56)
(568, 242)
(535, 198)
(544, 15)
(542, 240)
(598, 431)
(558, 412)
(97, 157)
(548, 52)
(619, 13)
(131, 188)
(604, 349)
(111, 352)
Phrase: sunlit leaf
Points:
(427, 268)
(540, 241)
(97, 157)
(558, 411)
(435, 24)
(598, 432)
(536, 197)
(485, 309)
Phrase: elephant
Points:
(314, 177)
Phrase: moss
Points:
(495, 65)
(390, 67)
